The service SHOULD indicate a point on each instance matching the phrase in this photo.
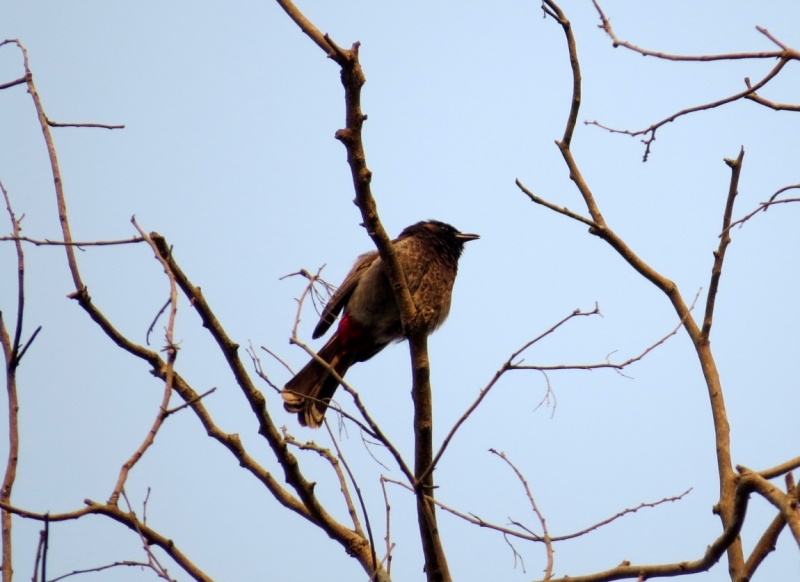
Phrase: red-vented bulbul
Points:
(429, 253)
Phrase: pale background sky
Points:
(228, 151)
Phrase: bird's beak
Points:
(465, 237)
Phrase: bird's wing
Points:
(339, 299)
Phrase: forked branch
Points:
(784, 56)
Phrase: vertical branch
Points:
(727, 477)
(45, 545)
(11, 353)
(13, 449)
(388, 537)
(51, 152)
(435, 562)
(172, 353)
(353, 80)
(719, 254)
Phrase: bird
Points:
(428, 252)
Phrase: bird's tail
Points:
(309, 392)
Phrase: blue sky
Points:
(228, 152)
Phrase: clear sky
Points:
(228, 152)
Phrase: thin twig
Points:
(607, 364)
(172, 352)
(371, 427)
(156, 566)
(128, 519)
(155, 320)
(309, 289)
(516, 554)
(503, 369)
(251, 351)
(101, 568)
(190, 402)
(94, 243)
(274, 355)
(28, 343)
(98, 125)
(784, 55)
(765, 205)
(551, 206)
(46, 546)
(606, 26)
(529, 535)
(548, 542)
(388, 536)
(35, 577)
(364, 511)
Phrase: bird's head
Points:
(440, 232)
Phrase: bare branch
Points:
(35, 577)
(12, 356)
(516, 554)
(413, 321)
(363, 505)
(101, 568)
(727, 477)
(548, 543)
(706, 106)
(274, 355)
(310, 507)
(618, 367)
(766, 543)
(321, 40)
(551, 206)
(507, 365)
(711, 556)
(152, 560)
(98, 125)
(765, 205)
(28, 343)
(345, 491)
(719, 254)
(785, 503)
(572, 118)
(127, 519)
(767, 103)
(189, 402)
(784, 55)
(309, 290)
(372, 428)
(606, 26)
(777, 471)
(172, 353)
(94, 243)
(337, 469)
(621, 514)
(388, 537)
(13, 83)
(530, 535)
(155, 320)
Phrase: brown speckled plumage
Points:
(429, 253)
